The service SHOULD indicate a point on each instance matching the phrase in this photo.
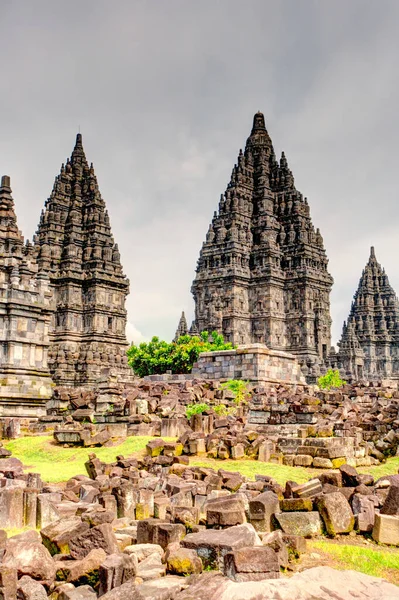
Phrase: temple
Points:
(182, 328)
(369, 346)
(262, 272)
(25, 312)
(75, 249)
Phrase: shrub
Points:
(331, 379)
(157, 356)
(224, 411)
(240, 389)
(195, 409)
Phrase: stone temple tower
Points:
(25, 310)
(369, 346)
(75, 247)
(262, 272)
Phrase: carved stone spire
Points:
(182, 328)
(262, 272)
(74, 244)
(25, 311)
(369, 346)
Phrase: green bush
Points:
(224, 411)
(157, 356)
(195, 409)
(331, 379)
(240, 389)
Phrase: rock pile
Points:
(132, 528)
(357, 423)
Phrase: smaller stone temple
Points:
(182, 328)
(75, 247)
(25, 312)
(369, 346)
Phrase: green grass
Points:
(55, 463)
(391, 467)
(250, 468)
(377, 561)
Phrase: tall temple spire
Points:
(74, 244)
(25, 312)
(262, 272)
(369, 346)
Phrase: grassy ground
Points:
(378, 561)
(391, 467)
(56, 463)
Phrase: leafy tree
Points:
(331, 379)
(157, 356)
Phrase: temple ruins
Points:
(262, 272)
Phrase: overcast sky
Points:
(164, 92)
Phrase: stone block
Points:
(307, 490)
(57, 535)
(296, 504)
(336, 513)
(386, 529)
(101, 536)
(391, 504)
(305, 524)
(251, 564)
(212, 545)
(225, 512)
(262, 509)
(303, 460)
(184, 561)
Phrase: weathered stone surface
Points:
(68, 591)
(212, 545)
(84, 571)
(391, 504)
(30, 558)
(323, 583)
(142, 551)
(57, 535)
(8, 582)
(184, 561)
(386, 529)
(364, 511)
(307, 490)
(25, 311)
(226, 511)
(262, 510)
(336, 513)
(115, 570)
(296, 504)
(29, 589)
(101, 536)
(252, 564)
(306, 524)
(165, 588)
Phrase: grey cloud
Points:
(164, 93)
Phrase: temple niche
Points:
(75, 248)
(369, 346)
(26, 307)
(262, 272)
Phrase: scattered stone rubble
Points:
(283, 423)
(133, 528)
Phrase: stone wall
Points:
(254, 362)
